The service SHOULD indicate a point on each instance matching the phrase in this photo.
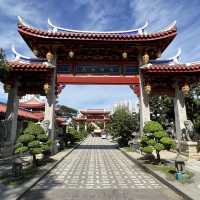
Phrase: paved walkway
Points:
(97, 170)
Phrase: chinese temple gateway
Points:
(132, 57)
(92, 116)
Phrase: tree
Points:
(4, 68)
(33, 140)
(122, 125)
(75, 136)
(162, 109)
(192, 102)
(155, 138)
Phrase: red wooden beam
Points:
(91, 79)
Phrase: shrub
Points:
(76, 136)
(33, 140)
(122, 142)
(155, 138)
(25, 139)
(168, 142)
(151, 142)
(152, 127)
(147, 149)
(160, 134)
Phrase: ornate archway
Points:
(67, 56)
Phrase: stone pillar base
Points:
(54, 148)
(5, 149)
(191, 149)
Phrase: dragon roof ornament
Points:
(173, 60)
(169, 27)
(23, 58)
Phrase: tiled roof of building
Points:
(17, 65)
(68, 34)
(21, 113)
(172, 68)
(32, 103)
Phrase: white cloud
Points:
(25, 9)
(160, 13)
(103, 15)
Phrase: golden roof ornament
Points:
(185, 89)
(124, 55)
(71, 54)
(147, 88)
(46, 88)
(145, 58)
(49, 57)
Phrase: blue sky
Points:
(103, 15)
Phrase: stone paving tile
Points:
(96, 165)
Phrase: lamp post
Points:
(180, 168)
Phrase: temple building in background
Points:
(94, 117)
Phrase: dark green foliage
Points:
(151, 142)
(155, 138)
(162, 109)
(152, 127)
(159, 147)
(21, 149)
(42, 137)
(33, 129)
(25, 139)
(122, 125)
(148, 149)
(33, 140)
(192, 102)
(76, 136)
(4, 68)
(160, 134)
(168, 142)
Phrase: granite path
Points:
(96, 170)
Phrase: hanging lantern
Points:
(147, 88)
(145, 58)
(49, 57)
(185, 89)
(71, 54)
(7, 88)
(124, 55)
(46, 88)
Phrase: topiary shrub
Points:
(33, 140)
(76, 136)
(148, 149)
(155, 138)
(152, 127)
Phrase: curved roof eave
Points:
(139, 30)
(25, 29)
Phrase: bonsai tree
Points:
(33, 140)
(155, 138)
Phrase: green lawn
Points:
(170, 172)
